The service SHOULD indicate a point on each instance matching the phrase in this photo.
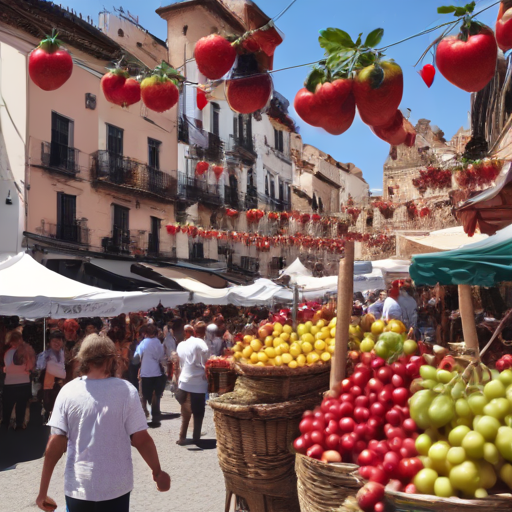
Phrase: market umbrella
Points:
(483, 263)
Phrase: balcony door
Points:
(120, 225)
(67, 228)
(154, 236)
(61, 152)
(115, 153)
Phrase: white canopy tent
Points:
(30, 290)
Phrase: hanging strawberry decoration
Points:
(468, 60)
(504, 26)
(327, 105)
(273, 216)
(428, 73)
(214, 56)
(49, 65)
(315, 217)
(378, 90)
(249, 94)
(159, 91)
(192, 231)
(284, 217)
(305, 218)
(119, 88)
(397, 131)
(218, 170)
(231, 213)
(171, 229)
(202, 167)
(250, 216)
(184, 229)
(201, 99)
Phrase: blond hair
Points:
(97, 351)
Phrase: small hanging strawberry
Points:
(201, 99)
(159, 91)
(49, 65)
(504, 26)
(468, 60)
(218, 170)
(249, 94)
(202, 167)
(428, 73)
(119, 88)
(171, 229)
(214, 56)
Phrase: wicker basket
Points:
(324, 487)
(270, 384)
(221, 380)
(253, 444)
(401, 502)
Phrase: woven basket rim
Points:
(427, 498)
(280, 371)
(267, 411)
(342, 467)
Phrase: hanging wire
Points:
(284, 11)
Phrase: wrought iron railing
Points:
(60, 157)
(193, 189)
(73, 233)
(119, 170)
(245, 144)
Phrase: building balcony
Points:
(58, 158)
(120, 171)
(206, 145)
(242, 147)
(194, 190)
(73, 233)
(279, 205)
(119, 243)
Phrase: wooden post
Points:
(344, 314)
(467, 316)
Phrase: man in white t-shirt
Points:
(193, 386)
(96, 419)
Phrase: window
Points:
(61, 153)
(215, 119)
(120, 226)
(154, 236)
(266, 185)
(278, 140)
(66, 218)
(154, 153)
(114, 140)
(281, 190)
(242, 130)
(272, 187)
(196, 251)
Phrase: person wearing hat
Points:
(391, 309)
(96, 419)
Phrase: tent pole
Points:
(295, 305)
(44, 333)
(467, 316)
(344, 314)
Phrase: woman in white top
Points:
(19, 361)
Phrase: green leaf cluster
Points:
(343, 55)
(457, 11)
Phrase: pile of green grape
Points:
(466, 448)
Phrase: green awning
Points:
(483, 263)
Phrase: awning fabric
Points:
(31, 290)
(484, 263)
(446, 239)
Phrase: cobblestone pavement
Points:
(197, 481)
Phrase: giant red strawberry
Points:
(119, 88)
(397, 131)
(247, 95)
(214, 56)
(331, 106)
(49, 65)
(159, 91)
(504, 26)
(378, 90)
(468, 60)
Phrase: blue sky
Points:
(445, 105)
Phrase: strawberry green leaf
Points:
(367, 59)
(460, 11)
(447, 9)
(315, 78)
(359, 40)
(334, 40)
(374, 38)
(470, 7)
